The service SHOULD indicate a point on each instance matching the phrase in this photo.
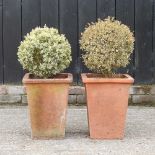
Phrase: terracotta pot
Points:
(107, 102)
(47, 101)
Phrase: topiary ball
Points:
(107, 45)
(44, 52)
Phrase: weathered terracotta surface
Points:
(47, 101)
(107, 102)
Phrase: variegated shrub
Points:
(44, 52)
(107, 45)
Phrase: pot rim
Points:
(68, 79)
(128, 79)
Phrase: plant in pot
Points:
(107, 45)
(45, 53)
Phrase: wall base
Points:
(16, 95)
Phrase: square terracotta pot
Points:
(107, 102)
(47, 101)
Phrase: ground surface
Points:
(15, 135)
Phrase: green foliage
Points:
(107, 45)
(44, 52)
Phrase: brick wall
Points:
(142, 94)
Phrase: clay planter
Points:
(107, 102)
(47, 101)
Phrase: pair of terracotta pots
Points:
(107, 101)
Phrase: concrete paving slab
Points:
(15, 136)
